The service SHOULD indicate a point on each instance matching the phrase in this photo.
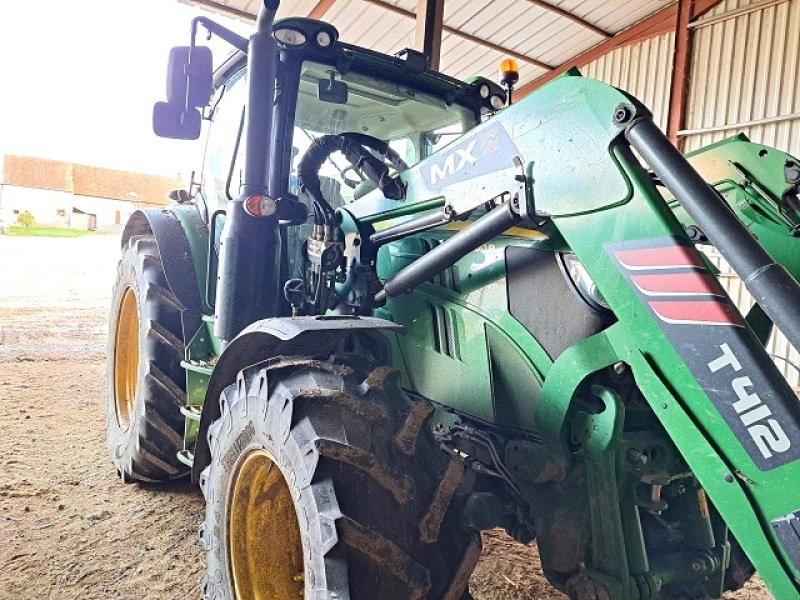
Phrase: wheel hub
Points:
(265, 550)
(126, 358)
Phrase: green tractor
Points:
(398, 310)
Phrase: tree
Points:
(26, 219)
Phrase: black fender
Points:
(284, 336)
(167, 225)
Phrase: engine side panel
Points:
(543, 300)
(458, 323)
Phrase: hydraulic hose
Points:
(381, 147)
(354, 151)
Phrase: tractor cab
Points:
(345, 122)
(324, 87)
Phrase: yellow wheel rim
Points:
(264, 547)
(126, 358)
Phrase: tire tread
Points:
(147, 450)
(337, 423)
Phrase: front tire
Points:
(145, 387)
(325, 483)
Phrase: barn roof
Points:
(87, 180)
(546, 36)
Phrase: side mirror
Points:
(330, 90)
(189, 87)
(196, 76)
(173, 121)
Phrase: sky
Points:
(78, 80)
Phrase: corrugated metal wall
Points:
(745, 75)
(744, 79)
(642, 69)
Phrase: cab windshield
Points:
(414, 123)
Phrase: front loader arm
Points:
(737, 421)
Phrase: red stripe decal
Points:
(664, 257)
(700, 312)
(686, 283)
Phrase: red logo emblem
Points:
(686, 295)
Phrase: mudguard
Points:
(287, 336)
(182, 240)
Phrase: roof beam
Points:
(571, 16)
(701, 7)
(464, 35)
(660, 22)
(223, 9)
(428, 38)
(732, 14)
(319, 10)
(681, 66)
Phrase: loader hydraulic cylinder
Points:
(409, 228)
(489, 226)
(772, 287)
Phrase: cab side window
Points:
(226, 120)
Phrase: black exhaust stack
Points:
(249, 265)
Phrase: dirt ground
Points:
(69, 528)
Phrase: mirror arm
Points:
(234, 39)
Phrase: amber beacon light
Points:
(509, 75)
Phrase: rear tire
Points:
(371, 512)
(145, 386)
